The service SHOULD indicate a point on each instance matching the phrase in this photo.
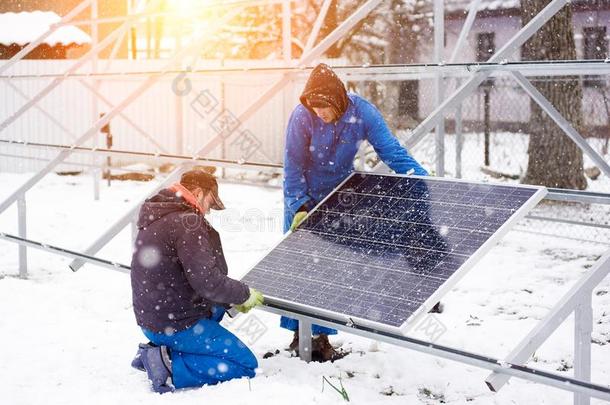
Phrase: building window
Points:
(596, 47)
(486, 45)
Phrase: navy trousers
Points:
(206, 353)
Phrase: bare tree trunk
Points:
(554, 160)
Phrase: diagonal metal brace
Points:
(546, 105)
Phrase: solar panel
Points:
(382, 249)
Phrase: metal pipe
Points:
(583, 326)
(22, 226)
(462, 356)
(450, 353)
(122, 268)
(313, 36)
(558, 194)
(394, 71)
(466, 28)
(149, 155)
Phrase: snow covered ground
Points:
(68, 338)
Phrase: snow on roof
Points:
(23, 28)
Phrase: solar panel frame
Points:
(414, 319)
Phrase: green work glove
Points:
(298, 218)
(255, 298)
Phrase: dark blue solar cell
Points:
(378, 247)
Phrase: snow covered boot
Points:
(158, 366)
(137, 361)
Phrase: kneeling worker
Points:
(181, 290)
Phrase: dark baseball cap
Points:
(205, 181)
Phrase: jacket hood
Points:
(325, 88)
(160, 205)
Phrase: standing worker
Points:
(181, 290)
(323, 136)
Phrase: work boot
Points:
(137, 361)
(294, 345)
(158, 366)
(322, 350)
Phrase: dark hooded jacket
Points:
(324, 88)
(178, 270)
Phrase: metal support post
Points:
(94, 101)
(568, 303)
(562, 122)
(22, 228)
(305, 339)
(439, 47)
(583, 326)
(459, 141)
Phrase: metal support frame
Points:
(61, 156)
(393, 72)
(95, 110)
(562, 122)
(439, 48)
(317, 25)
(307, 58)
(305, 339)
(466, 28)
(578, 299)
(101, 122)
(173, 158)
(22, 242)
(475, 80)
(583, 327)
(22, 228)
(498, 367)
(73, 68)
